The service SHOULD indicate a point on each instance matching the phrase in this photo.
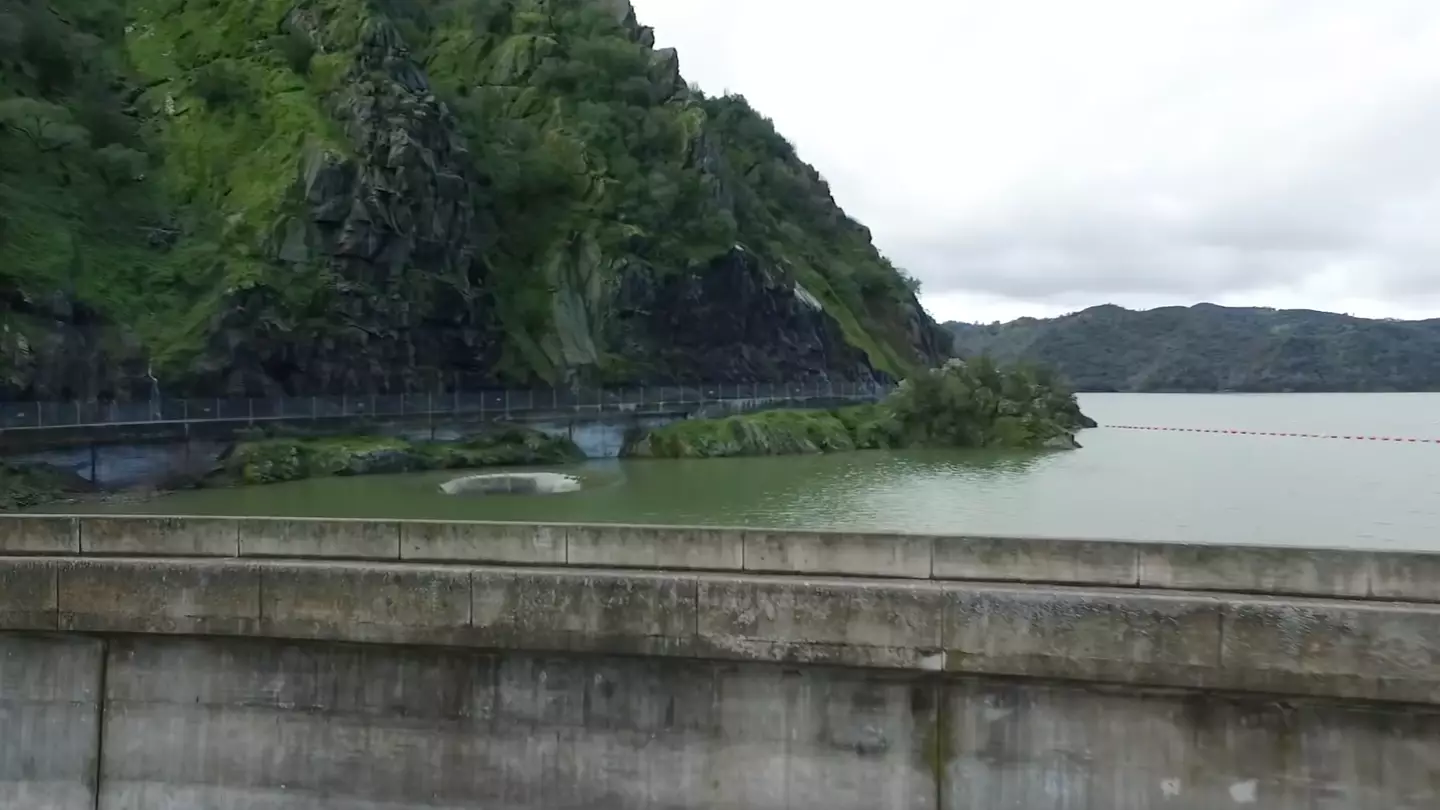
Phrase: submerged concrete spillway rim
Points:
(522, 483)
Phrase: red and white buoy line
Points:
(1273, 433)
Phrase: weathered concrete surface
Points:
(21, 534)
(1114, 636)
(1313, 572)
(240, 725)
(649, 547)
(50, 691)
(440, 541)
(602, 611)
(1036, 560)
(1341, 649)
(868, 555)
(1035, 746)
(344, 539)
(29, 593)
(168, 536)
(199, 597)
(871, 624)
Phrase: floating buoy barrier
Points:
(1274, 433)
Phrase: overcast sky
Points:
(1034, 157)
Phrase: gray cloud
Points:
(1245, 151)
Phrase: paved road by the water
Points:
(1128, 484)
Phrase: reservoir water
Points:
(1124, 484)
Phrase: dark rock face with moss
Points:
(24, 486)
(262, 197)
(269, 461)
(968, 405)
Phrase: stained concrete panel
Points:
(29, 593)
(227, 725)
(835, 621)
(159, 596)
(1104, 635)
(600, 611)
(1057, 747)
(50, 690)
(413, 604)
(1341, 649)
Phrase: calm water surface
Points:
(1123, 484)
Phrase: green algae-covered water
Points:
(1149, 485)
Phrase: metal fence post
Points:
(250, 409)
(314, 407)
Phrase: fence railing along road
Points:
(501, 403)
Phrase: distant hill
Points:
(1213, 348)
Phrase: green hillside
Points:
(1212, 348)
(225, 197)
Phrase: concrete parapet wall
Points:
(1346, 574)
(1296, 646)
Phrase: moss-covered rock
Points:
(306, 197)
(273, 460)
(27, 485)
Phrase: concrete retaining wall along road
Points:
(1248, 569)
(234, 724)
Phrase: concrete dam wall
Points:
(299, 665)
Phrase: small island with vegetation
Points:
(972, 404)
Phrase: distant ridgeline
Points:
(309, 197)
(1213, 348)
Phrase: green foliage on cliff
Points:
(961, 405)
(157, 162)
(1212, 348)
(269, 461)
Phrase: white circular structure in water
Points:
(536, 483)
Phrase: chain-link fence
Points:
(500, 403)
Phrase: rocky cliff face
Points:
(378, 196)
